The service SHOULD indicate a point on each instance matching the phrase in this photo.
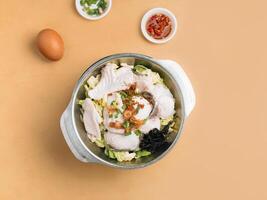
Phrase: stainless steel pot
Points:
(73, 129)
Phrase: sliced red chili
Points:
(159, 26)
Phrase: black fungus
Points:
(155, 140)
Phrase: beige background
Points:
(221, 155)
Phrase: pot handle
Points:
(68, 132)
(182, 79)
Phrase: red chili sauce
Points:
(159, 26)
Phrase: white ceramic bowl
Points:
(152, 12)
(79, 9)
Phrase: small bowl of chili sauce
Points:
(159, 25)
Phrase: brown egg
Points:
(50, 44)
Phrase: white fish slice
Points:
(143, 83)
(160, 90)
(122, 142)
(163, 98)
(107, 119)
(144, 112)
(115, 97)
(112, 80)
(165, 107)
(91, 120)
(164, 101)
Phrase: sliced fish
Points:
(162, 96)
(112, 80)
(91, 120)
(144, 111)
(107, 119)
(115, 97)
(122, 142)
(165, 107)
(164, 101)
(143, 82)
